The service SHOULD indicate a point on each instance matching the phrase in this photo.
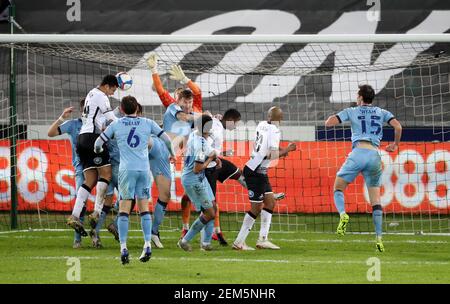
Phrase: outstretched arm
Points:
(282, 152)
(54, 128)
(177, 73)
(164, 95)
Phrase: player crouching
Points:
(198, 156)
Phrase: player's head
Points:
(82, 105)
(275, 115)
(204, 124)
(230, 118)
(366, 94)
(129, 105)
(185, 100)
(109, 84)
(177, 92)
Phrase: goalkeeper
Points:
(176, 73)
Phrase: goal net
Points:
(309, 80)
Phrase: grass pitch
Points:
(41, 257)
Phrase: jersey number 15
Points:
(375, 126)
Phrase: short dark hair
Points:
(139, 108)
(204, 123)
(110, 80)
(82, 101)
(231, 114)
(187, 94)
(367, 93)
(129, 105)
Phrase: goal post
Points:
(309, 76)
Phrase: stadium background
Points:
(307, 178)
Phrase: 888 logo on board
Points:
(412, 177)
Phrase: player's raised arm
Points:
(397, 135)
(177, 73)
(54, 129)
(164, 95)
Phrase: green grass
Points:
(41, 257)
(323, 222)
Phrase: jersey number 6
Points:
(131, 137)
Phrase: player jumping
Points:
(96, 167)
(176, 73)
(72, 128)
(367, 131)
(132, 134)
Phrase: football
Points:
(125, 81)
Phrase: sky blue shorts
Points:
(200, 194)
(366, 161)
(158, 156)
(134, 184)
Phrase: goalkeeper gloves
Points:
(152, 62)
(176, 73)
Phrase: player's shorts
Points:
(85, 150)
(114, 182)
(158, 157)
(134, 184)
(213, 175)
(200, 194)
(227, 170)
(366, 161)
(258, 185)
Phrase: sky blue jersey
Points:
(113, 148)
(197, 150)
(172, 124)
(366, 122)
(72, 127)
(132, 134)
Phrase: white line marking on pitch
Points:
(240, 260)
(107, 236)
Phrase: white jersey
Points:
(267, 139)
(215, 139)
(97, 110)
